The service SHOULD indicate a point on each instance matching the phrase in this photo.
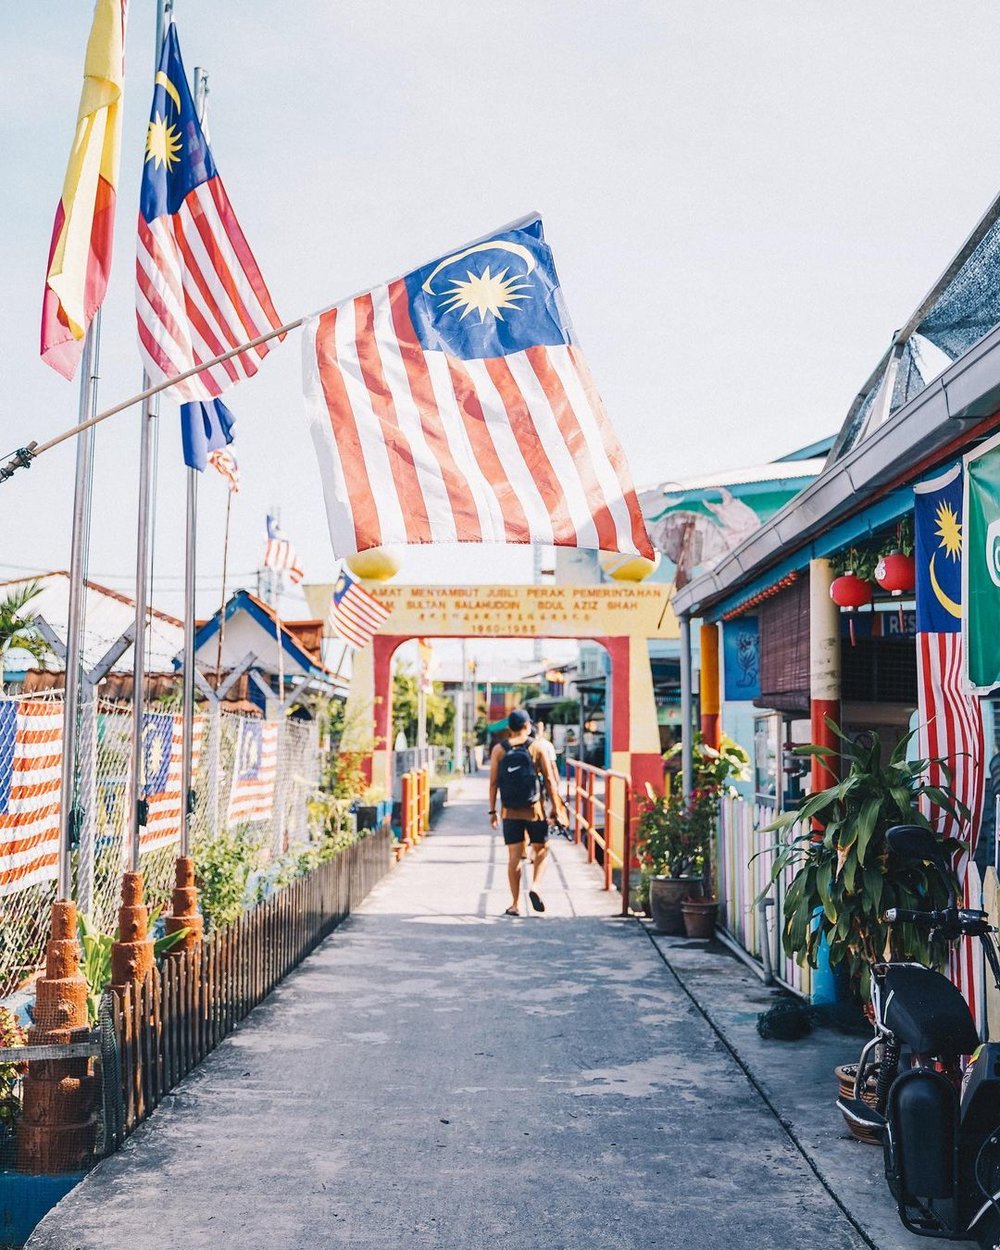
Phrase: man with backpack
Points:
(517, 768)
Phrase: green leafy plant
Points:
(222, 868)
(17, 624)
(845, 875)
(96, 962)
(674, 833)
(11, 1034)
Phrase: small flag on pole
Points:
(279, 554)
(224, 462)
(199, 291)
(206, 427)
(454, 405)
(355, 614)
(82, 237)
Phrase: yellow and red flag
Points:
(80, 254)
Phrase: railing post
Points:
(406, 809)
(426, 813)
(590, 818)
(608, 813)
(576, 803)
(626, 846)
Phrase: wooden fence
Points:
(156, 1032)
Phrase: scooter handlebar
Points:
(904, 915)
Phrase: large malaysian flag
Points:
(254, 771)
(30, 782)
(454, 405)
(950, 719)
(199, 292)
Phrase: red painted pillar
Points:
(824, 669)
(710, 702)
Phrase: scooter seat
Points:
(927, 1012)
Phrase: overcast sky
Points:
(744, 200)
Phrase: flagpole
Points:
(190, 571)
(79, 548)
(222, 611)
(150, 414)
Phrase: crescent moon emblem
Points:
(945, 601)
(161, 80)
(494, 245)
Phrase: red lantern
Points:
(850, 591)
(896, 573)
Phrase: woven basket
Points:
(845, 1074)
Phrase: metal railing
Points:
(593, 792)
(434, 759)
(414, 806)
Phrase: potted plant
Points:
(675, 837)
(671, 858)
(845, 877)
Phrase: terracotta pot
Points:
(699, 916)
(665, 897)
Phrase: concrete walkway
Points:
(440, 1075)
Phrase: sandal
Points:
(512, 911)
(536, 900)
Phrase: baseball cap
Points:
(518, 719)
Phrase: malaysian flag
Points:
(225, 462)
(279, 554)
(354, 614)
(162, 739)
(254, 772)
(951, 721)
(30, 782)
(198, 289)
(453, 405)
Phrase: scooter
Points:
(939, 1124)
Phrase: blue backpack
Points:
(517, 777)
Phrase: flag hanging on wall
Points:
(82, 237)
(199, 291)
(254, 771)
(30, 784)
(981, 566)
(950, 719)
(279, 554)
(162, 741)
(354, 614)
(453, 405)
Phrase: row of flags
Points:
(31, 735)
(451, 404)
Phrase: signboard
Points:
(518, 611)
(741, 657)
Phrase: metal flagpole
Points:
(190, 571)
(70, 817)
(150, 414)
(222, 611)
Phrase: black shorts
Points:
(515, 829)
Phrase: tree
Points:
(440, 711)
(17, 625)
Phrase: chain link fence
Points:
(252, 778)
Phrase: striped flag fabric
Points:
(162, 747)
(254, 772)
(224, 462)
(199, 291)
(454, 405)
(31, 734)
(83, 232)
(354, 614)
(279, 554)
(950, 719)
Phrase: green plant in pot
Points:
(675, 838)
(845, 877)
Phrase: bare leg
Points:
(514, 854)
(539, 860)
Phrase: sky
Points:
(743, 200)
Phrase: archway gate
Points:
(623, 618)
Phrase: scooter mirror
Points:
(914, 842)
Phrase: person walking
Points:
(517, 767)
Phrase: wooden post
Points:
(132, 954)
(710, 703)
(406, 809)
(58, 1127)
(184, 907)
